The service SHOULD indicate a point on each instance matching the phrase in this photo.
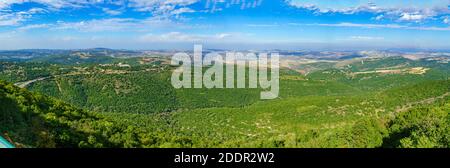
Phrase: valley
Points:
(125, 99)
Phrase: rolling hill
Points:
(378, 102)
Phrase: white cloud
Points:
(379, 17)
(170, 37)
(366, 38)
(117, 25)
(369, 5)
(57, 4)
(262, 25)
(13, 18)
(412, 17)
(162, 8)
(162, 11)
(183, 37)
(96, 25)
(36, 10)
(181, 11)
(403, 10)
(112, 11)
(33, 26)
(372, 26)
(394, 26)
(218, 5)
(114, 24)
(223, 35)
(446, 20)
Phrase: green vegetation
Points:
(421, 127)
(33, 120)
(89, 105)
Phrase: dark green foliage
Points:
(366, 133)
(421, 127)
(17, 72)
(137, 107)
(33, 120)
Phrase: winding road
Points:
(26, 83)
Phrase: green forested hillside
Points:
(399, 104)
(33, 120)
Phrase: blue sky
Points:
(225, 24)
